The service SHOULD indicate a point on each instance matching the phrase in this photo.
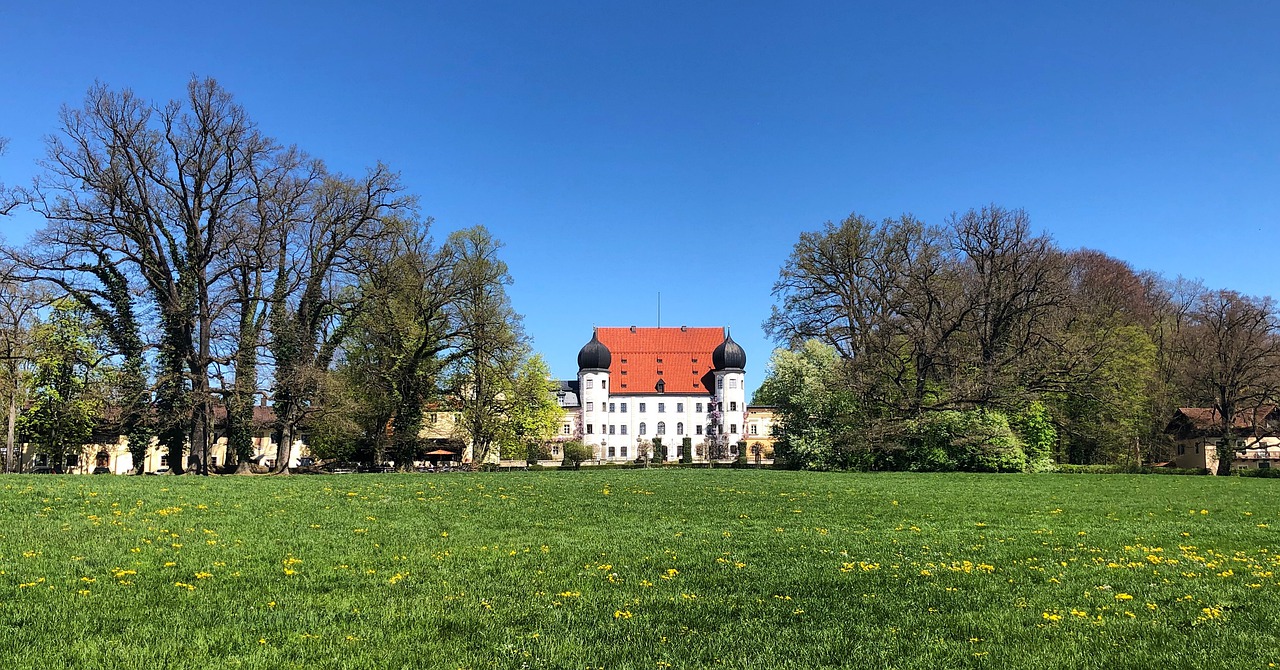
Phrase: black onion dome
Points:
(729, 355)
(594, 355)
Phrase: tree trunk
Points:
(13, 419)
(284, 448)
(1226, 453)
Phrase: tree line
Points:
(979, 344)
(202, 267)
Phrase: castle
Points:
(636, 385)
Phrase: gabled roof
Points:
(1205, 421)
(680, 357)
(567, 392)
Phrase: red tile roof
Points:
(680, 357)
(1205, 420)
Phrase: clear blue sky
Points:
(620, 150)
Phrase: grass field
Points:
(640, 569)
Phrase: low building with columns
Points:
(639, 384)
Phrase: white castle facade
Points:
(636, 385)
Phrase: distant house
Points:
(761, 428)
(1196, 432)
(109, 450)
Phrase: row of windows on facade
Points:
(604, 383)
(567, 429)
(662, 407)
(662, 429)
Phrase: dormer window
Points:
(661, 386)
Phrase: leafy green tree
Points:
(490, 342)
(532, 412)
(1039, 436)
(575, 453)
(397, 338)
(977, 440)
(820, 424)
(65, 396)
(1107, 411)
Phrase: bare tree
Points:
(8, 199)
(1231, 348)
(1014, 283)
(256, 266)
(344, 231)
(154, 187)
(19, 303)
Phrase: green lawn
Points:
(640, 569)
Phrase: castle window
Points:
(662, 428)
(733, 405)
(611, 452)
(590, 428)
(624, 452)
(733, 383)
(565, 429)
(720, 383)
(643, 428)
(679, 429)
(591, 383)
(697, 430)
(662, 407)
(679, 407)
(642, 407)
(591, 407)
(624, 406)
(613, 407)
(611, 427)
(733, 428)
(697, 407)
(623, 430)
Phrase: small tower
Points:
(730, 363)
(593, 384)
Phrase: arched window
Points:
(679, 429)
(643, 429)
(662, 427)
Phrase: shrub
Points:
(575, 452)
(976, 440)
(686, 450)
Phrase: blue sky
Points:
(621, 150)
